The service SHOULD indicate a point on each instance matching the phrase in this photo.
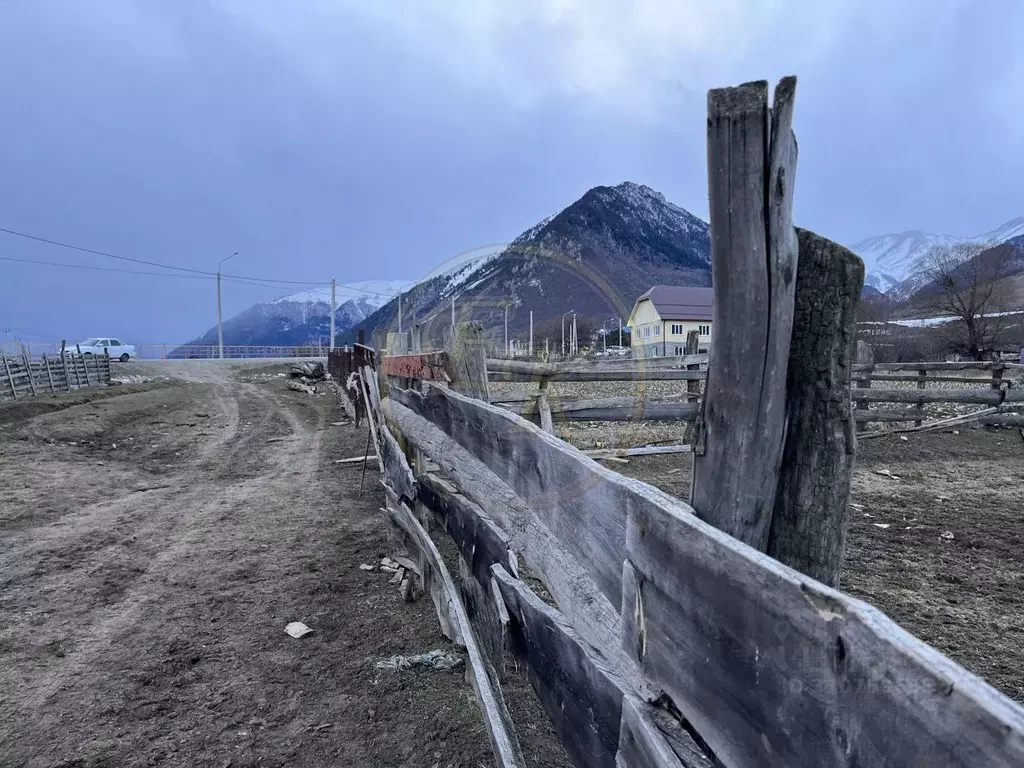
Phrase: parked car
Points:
(116, 348)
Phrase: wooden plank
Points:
(810, 515)
(563, 487)
(582, 698)
(450, 611)
(922, 382)
(28, 372)
(979, 396)
(85, 367)
(656, 374)
(866, 416)
(916, 377)
(366, 380)
(693, 385)
(578, 371)
(428, 366)
(10, 378)
(622, 409)
(49, 374)
(468, 358)
(481, 544)
(644, 740)
(968, 365)
(647, 450)
(553, 561)
(741, 428)
(544, 408)
(774, 669)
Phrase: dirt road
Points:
(154, 542)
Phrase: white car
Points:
(116, 348)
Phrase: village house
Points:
(665, 314)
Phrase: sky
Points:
(368, 141)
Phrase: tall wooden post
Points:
(810, 516)
(692, 346)
(751, 168)
(468, 356)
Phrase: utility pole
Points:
(508, 352)
(620, 331)
(575, 339)
(531, 336)
(399, 312)
(220, 323)
(453, 317)
(570, 312)
(334, 287)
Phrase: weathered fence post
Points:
(810, 516)
(468, 356)
(27, 362)
(85, 367)
(751, 168)
(692, 347)
(865, 356)
(49, 373)
(10, 378)
(922, 382)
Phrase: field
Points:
(154, 542)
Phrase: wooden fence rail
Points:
(685, 635)
(27, 378)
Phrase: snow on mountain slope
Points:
(891, 259)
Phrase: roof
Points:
(680, 302)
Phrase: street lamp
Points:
(570, 312)
(220, 324)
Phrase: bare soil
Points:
(940, 549)
(154, 542)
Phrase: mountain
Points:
(594, 257)
(303, 318)
(890, 260)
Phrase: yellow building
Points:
(664, 315)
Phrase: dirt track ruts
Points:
(154, 545)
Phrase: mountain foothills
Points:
(593, 258)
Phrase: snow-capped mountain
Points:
(890, 260)
(305, 317)
(594, 257)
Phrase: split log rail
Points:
(683, 635)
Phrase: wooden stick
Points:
(647, 450)
(932, 425)
(362, 475)
(28, 370)
(49, 373)
(85, 365)
(10, 378)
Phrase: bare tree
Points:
(966, 281)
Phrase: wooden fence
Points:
(48, 375)
(993, 389)
(683, 635)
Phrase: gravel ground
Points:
(154, 542)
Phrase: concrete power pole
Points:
(399, 312)
(531, 334)
(507, 350)
(220, 323)
(334, 303)
(575, 339)
(453, 317)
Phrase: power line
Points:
(198, 273)
(103, 269)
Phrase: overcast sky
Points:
(372, 140)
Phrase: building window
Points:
(679, 351)
(647, 331)
(677, 329)
(704, 330)
(657, 330)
